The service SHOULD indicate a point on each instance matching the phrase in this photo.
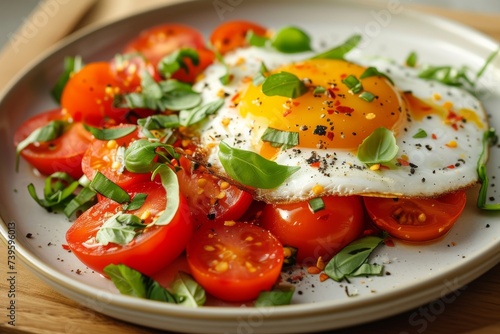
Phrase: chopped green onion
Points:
(279, 138)
(319, 90)
(411, 60)
(111, 133)
(109, 189)
(284, 84)
(353, 84)
(420, 134)
(367, 96)
(316, 204)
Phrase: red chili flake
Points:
(344, 109)
(389, 242)
(337, 103)
(330, 135)
(343, 76)
(403, 162)
(451, 167)
(331, 93)
(296, 103)
(434, 136)
(315, 164)
(65, 247)
(330, 111)
(454, 126)
(235, 97)
(384, 167)
(287, 112)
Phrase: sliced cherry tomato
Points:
(319, 234)
(234, 262)
(416, 219)
(233, 34)
(63, 154)
(101, 156)
(210, 198)
(157, 42)
(149, 251)
(127, 69)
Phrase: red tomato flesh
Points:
(63, 154)
(150, 251)
(231, 35)
(234, 261)
(320, 234)
(416, 219)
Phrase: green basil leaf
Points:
(175, 61)
(281, 295)
(186, 291)
(48, 132)
(108, 188)
(171, 185)
(57, 193)
(253, 170)
(489, 139)
(279, 138)
(130, 282)
(111, 133)
(411, 60)
(189, 117)
(291, 40)
(226, 78)
(379, 147)
(256, 40)
(284, 84)
(340, 51)
(447, 75)
(119, 229)
(374, 72)
(178, 95)
(368, 269)
(420, 134)
(160, 127)
(352, 257)
(140, 156)
(72, 65)
(136, 202)
(316, 204)
(260, 77)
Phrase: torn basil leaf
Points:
(176, 61)
(186, 291)
(108, 188)
(379, 147)
(283, 84)
(72, 65)
(340, 51)
(251, 169)
(189, 117)
(280, 295)
(111, 133)
(280, 138)
(120, 229)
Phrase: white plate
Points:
(419, 273)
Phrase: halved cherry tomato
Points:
(323, 233)
(416, 219)
(63, 154)
(127, 69)
(234, 262)
(210, 198)
(101, 156)
(149, 251)
(233, 34)
(157, 42)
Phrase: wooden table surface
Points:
(475, 311)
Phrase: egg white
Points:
(434, 169)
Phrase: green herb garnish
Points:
(111, 133)
(72, 65)
(107, 188)
(284, 84)
(280, 295)
(353, 84)
(379, 147)
(420, 134)
(489, 138)
(189, 117)
(340, 51)
(176, 61)
(280, 138)
(291, 40)
(411, 60)
(316, 204)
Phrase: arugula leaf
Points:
(186, 291)
(72, 65)
(279, 138)
(251, 169)
(340, 51)
(175, 61)
(281, 295)
(379, 147)
(291, 40)
(284, 84)
(120, 229)
(351, 260)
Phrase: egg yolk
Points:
(332, 116)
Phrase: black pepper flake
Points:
(29, 236)
(320, 130)
(423, 180)
(487, 225)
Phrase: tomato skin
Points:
(63, 154)
(440, 215)
(99, 156)
(150, 251)
(203, 192)
(253, 256)
(157, 42)
(323, 233)
(232, 35)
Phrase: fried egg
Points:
(438, 129)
